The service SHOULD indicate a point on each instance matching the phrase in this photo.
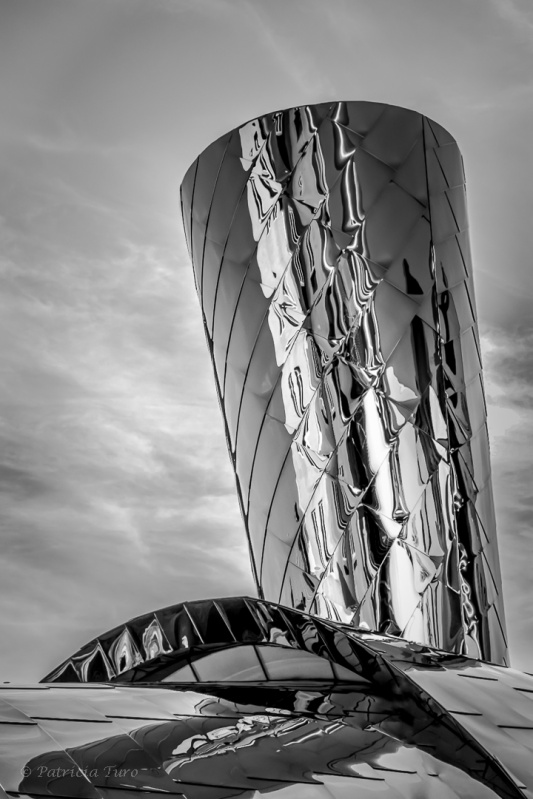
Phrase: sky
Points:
(117, 495)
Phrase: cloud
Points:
(288, 48)
(518, 15)
(117, 493)
(508, 358)
(508, 362)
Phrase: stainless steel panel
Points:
(361, 340)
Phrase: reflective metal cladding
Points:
(331, 257)
(239, 696)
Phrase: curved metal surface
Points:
(213, 706)
(346, 358)
(211, 742)
(331, 257)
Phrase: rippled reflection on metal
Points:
(331, 256)
(212, 742)
(245, 695)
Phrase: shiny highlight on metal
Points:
(239, 696)
(331, 257)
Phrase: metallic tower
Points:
(332, 262)
(331, 256)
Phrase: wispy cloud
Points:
(508, 361)
(111, 454)
(289, 48)
(117, 495)
(519, 15)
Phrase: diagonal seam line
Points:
(191, 222)
(188, 239)
(319, 295)
(211, 207)
(494, 761)
(341, 440)
(442, 393)
(349, 332)
(215, 297)
(319, 480)
(418, 502)
(336, 448)
(285, 269)
(409, 233)
(457, 225)
(284, 192)
(265, 317)
(230, 228)
(441, 167)
(280, 376)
